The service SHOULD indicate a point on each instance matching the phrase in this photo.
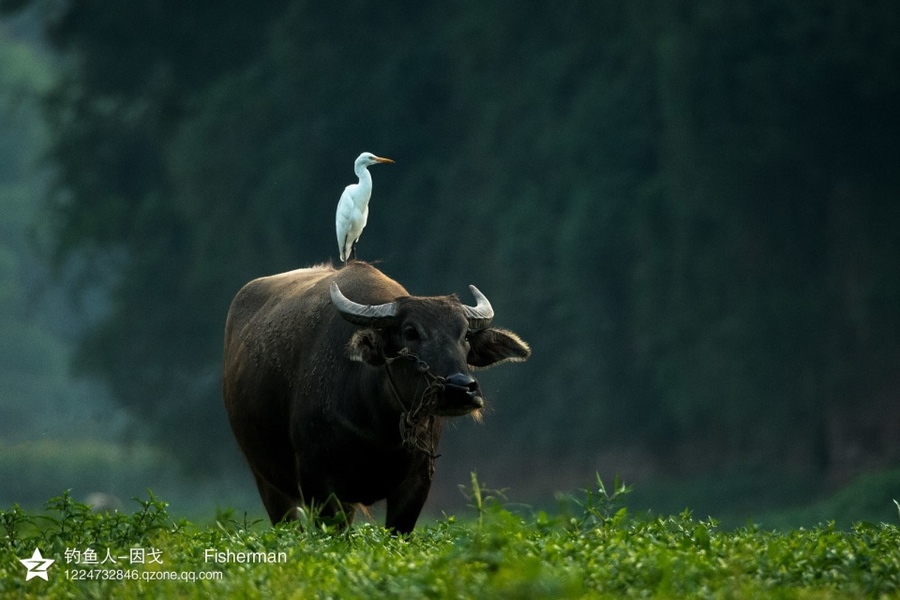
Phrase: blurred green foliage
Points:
(38, 395)
(31, 471)
(689, 209)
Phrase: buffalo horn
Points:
(366, 315)
(481, 314)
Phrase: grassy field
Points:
(595, 549)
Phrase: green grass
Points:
(593, 549)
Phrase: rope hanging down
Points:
(417, 420)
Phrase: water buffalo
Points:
(336, 383)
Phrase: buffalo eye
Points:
(411, 334)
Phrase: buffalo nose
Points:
(463, 380)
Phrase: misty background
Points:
(689, 210)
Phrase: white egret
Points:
(353, 207)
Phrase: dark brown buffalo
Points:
(336, 384)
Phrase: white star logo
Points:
(37, 565)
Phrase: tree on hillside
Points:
(686, 208)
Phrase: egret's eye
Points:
(410, 333)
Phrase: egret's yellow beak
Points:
(383, 160)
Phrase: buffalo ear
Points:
(489, 347)
(366, 347)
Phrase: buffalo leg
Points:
(405, 504)
(278, 505)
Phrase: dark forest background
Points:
(689, 209)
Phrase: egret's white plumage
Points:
(353, 207)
